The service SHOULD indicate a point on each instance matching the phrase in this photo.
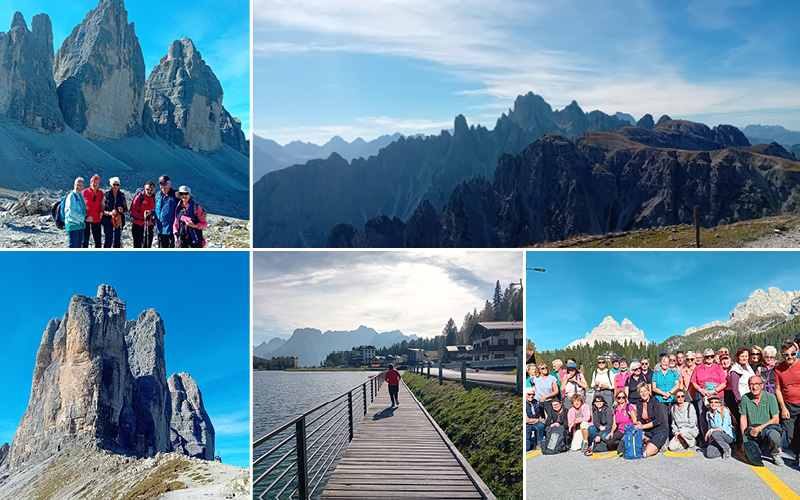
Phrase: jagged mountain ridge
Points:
(87, 107)
(609, 330)
(297, 206)
(264, 349)
(774, 304)
(268, 155)
(312, 346)
(100, 382)
(629, 178)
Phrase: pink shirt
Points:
(622, 416)
(621, 380)
(587, 414)
(713, 374)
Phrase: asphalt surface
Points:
(482, 376)
(572, 475)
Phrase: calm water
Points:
(281, 396)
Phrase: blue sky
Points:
(203, 299)
(364, 69)
(415, 292)
(662, 293)
(221, 34)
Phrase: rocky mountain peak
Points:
(27, 89)
(99, 71)
(184, 97)
(191, 431)
(772, 302)
(100, 381)
(609, 330)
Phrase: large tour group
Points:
(709, 401)
(171, 218)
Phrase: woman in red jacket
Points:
(93, 197)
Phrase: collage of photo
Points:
(423, 270)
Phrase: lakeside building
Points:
(496, 339)
(415, 356)
(362, 355)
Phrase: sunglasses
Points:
(769, 357)
(620, 399)
(148, 190)
(601, 362)
(755, 354)
(163, 183)
(789, 354)
(115, 185)
(636, 369)
(183, 194)
(679, 396)
(707, 357)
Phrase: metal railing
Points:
(304, 450)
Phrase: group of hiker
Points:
(172, 218)
(706, 401)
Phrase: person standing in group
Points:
(546, 387)
(75, 217)
(93, 197)
(756, 356)
(166, 203)
(190, 220)
(392, 378)
(573, 382)
(787, 392)
(767, 368)
(603, 381)
(636, 378)
(707, 379)
(647, 372)
(114, 208)
(738, 377)
(666, 382)
(621, 378)
(615, 365)
(144, 203)
(759, 421)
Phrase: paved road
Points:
(482, 376)
(676, 477)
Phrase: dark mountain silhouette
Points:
(297, 206)
(630, 178)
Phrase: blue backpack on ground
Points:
(57, 212)
(633, 443)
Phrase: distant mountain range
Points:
(609, 330)
(298, 206)
(758, 134)
(268, 155)
(312, 346)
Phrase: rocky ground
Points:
(90, 473)
(25, 222)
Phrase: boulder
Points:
(27, 89)
(185, 100)
(191, 431)
(99, 71)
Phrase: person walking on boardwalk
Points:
(393, 381)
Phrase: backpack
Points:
(139, 194)
(633, 443)
(555, 440)
(58, 212)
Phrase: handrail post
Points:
(365, 398)
(350, 412)
(372, 390)
(302, 459)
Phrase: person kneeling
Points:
(684, 424)
(579, 419)
(555, 435)
(652, 420)
(720, 429)
(759, 423)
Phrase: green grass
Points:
(683, 236)
(484, 424)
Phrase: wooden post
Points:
(429, 369)
(520, 366)
(463, 372)
(440, 372)
(697, 225)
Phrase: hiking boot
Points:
(584, 446)
(778, 460)
(790, 454)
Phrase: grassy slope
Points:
(683, 236)
(484, 424)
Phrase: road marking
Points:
(609, 454)
(618, 456)
(676, 454)
(533, 454)
(778, 486)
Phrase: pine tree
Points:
(497, 302)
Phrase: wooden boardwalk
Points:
(398, 453)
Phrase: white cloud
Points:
(415, 292)
(232, 424)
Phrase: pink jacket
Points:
(201, 224)
(587, 414)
